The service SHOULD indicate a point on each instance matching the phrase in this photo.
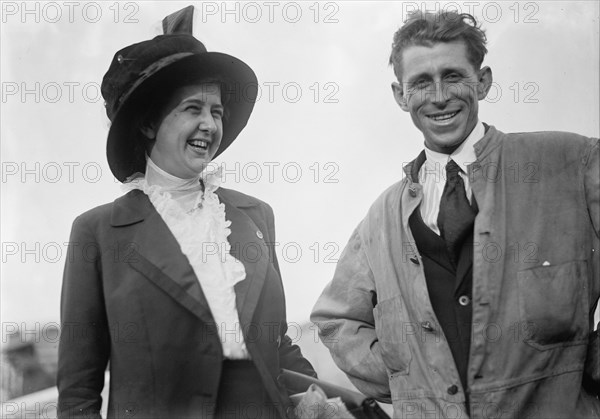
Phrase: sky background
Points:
(325, 139)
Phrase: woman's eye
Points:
(218, 113)
(193, 108)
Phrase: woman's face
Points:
(188, 132)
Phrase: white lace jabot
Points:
(197, 220)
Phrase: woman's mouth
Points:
(199, 145)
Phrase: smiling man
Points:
(420, 312)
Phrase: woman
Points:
(176, 283)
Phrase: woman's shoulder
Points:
(104, 213)
(239, 199)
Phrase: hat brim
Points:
(124, 151)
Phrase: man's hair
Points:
(427, 29)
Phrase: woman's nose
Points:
(207, 122)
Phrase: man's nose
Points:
(438, 93)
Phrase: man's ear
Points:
(399, 96)
(485, 82)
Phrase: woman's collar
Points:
(155, 176)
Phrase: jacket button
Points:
(452, 389)
(412, 192)
(464, 300)
(259, 234)
(427, 326)
(414, 260)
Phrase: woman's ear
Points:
(148, 130)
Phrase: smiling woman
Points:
(184, 264)
(324, 139)
(186, 138)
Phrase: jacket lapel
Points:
(248, 248)
(157, 255)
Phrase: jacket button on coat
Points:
(427, 326)
(259, 234)
(452, 389)
(464, 300)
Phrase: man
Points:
(469, 288)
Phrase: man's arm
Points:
(344, 315)
(592, 195)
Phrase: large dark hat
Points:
(139, 70)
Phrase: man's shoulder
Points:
(539, 144)
(549, 138)
(389, 198)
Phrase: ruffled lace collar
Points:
(196, 217)
(189, 193)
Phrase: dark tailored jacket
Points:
(130, 296)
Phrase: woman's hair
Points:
(426, 29)
(159, 96)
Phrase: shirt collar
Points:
(166, 181)
(463, 155)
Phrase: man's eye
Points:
(193, 108)
(453, 77)
(419, 84)
(218, 112)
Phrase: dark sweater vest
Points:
(449, 286)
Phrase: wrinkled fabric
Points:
(536, 281)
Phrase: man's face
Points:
(441, 89)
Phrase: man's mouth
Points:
(441, 117)
(199, 144)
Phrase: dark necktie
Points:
(456, 216)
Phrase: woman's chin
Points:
(196, 167)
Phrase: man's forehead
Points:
(433, 58)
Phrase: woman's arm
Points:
(84, 342)
(290, 356)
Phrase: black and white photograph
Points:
(310, 209)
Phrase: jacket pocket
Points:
(553, 303)
(392, 333)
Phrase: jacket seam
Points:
(527, 380)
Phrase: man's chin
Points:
(444, 144)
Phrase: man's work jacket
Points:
(536, 283)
